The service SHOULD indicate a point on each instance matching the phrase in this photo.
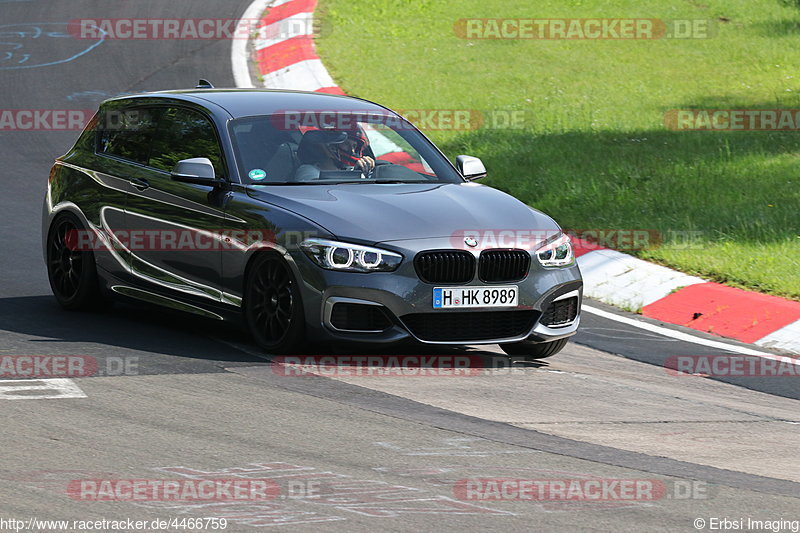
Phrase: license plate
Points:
(471, 297)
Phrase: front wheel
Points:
(534, 350)
(272, 306)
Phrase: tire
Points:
(532, 351)
(72, 273)
(273, 308)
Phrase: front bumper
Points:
(407, 301)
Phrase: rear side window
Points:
(184, 134)
(127, 133)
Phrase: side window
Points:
(127, 133)
(184, 134)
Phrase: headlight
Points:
(557, 253)
(350, 257)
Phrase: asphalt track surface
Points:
(385, 453)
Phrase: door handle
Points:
(140, 184)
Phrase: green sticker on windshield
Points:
(257, 174)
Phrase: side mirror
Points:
(470, 167)
(198, 170)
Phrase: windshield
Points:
(319, 147)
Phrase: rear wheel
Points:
(72, 272)
(531, 351)
(272, 305)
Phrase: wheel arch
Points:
(51, 213)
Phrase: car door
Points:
(123, 135)
(175, 227)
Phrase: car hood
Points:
(373, 213)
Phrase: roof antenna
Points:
(204, 84)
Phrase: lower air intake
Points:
(470, 326)
(359, 317)
(561, 312)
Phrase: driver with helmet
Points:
(321, 150)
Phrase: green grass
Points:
(594, 152)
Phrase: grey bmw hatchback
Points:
(306, 216)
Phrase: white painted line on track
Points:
(680, 335)
(43, 389)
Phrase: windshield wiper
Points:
(286, 183)
(339, 182)
(389, 181)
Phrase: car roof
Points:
(250, 102)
